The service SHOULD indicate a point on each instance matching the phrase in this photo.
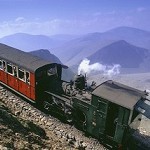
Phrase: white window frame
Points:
(4, 69)
(23, 71)
(14, 66)
(27, 80)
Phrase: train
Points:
(107, 112)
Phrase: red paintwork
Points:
(32, 79)
(20, 86)
(32, 86)
(3, 76)
(12, 82)
(32, 93)
(24, 88)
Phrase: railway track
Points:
(64, 135)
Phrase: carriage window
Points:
(28, 77)
(1, 65)
(21, 74)
(51, 71)
(9, 68)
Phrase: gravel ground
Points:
(24, 127)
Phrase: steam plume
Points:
(85, 67)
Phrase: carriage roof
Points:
(22, 59)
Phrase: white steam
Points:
(85, 67)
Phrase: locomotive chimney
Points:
(79, 82)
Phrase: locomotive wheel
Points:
(80, 119)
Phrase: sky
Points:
(50, 17)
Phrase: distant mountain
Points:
(134, 36)
(45, 54)
(71, 49)
(64, 37)
(67, 74)
(86, 45)
(79, 48)
(29, 42)
(123, 53)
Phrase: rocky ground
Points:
(24, 127)
(140, 81)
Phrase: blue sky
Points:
(71, 16)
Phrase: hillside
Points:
(88, 44)
(45, 54)
(79, 48)
(138, 37)
(71, 49)
(67, 74)
(23, 127)
(124, 54)
(28, 42)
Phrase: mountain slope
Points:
(79, 48)
(45, 54)
(67, 74)
(123, 53)
(88, 44)
(134, 36)
(29, 42)
(71, 49)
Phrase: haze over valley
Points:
(119, 46)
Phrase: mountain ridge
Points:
(122, 53)
(73, 49)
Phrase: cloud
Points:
(81, 24)
(49, 27)
(141, 9)
(20, 19)
(86, 68)
(36, 26)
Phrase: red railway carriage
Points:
(26, 74)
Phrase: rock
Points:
(64, 138)
(3, 148)
(17, 113)
(58, 133)
(49, 124)
(70, 136)
(84, 145)
(76, 145)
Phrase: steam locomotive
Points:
(107, 112)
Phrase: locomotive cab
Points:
(46, 78)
